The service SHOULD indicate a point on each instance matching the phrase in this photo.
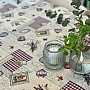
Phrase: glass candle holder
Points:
(53, 59)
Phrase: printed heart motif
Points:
(41, 60)
(21, 13)
(22, 38)
(25, 7)
(1, 73)
(0, 44)
(4, 34)
(39, 9)
(67, 66)
(57, 30)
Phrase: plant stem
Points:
(70, 25)
(77, 63)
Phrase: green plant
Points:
(75, 41)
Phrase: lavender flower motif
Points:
(87, 78)
(33, 45)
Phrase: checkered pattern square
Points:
(19, 55)
(72, 86)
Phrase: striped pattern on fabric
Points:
(19, 55)
(35, 25)
(72, 86)
(10, 65)
(41, 20)
(7, 6)
(38, 21)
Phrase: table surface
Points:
(17, 42)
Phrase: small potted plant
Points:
(78, 39)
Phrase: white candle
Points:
(53, 57)
(54, 49)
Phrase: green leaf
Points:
(87, 22)
(81, 22)
(71, 35)
(81, 11)
(73, 30)
(53, 16)
(88, 16)
(76, 13)
(61, 48)
(76, 4)
(45, 11)
(81, 46)
(77, 52)
(59, 20)
(72, 3)
(65, 52)
(65, 22)
(65, 41)
(61, 15)
(69, 46)
(65, 36)
(48, 13)
(80, 17)
(75, 37)
(70, 51)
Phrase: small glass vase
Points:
(53, 59)
(77, 66)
